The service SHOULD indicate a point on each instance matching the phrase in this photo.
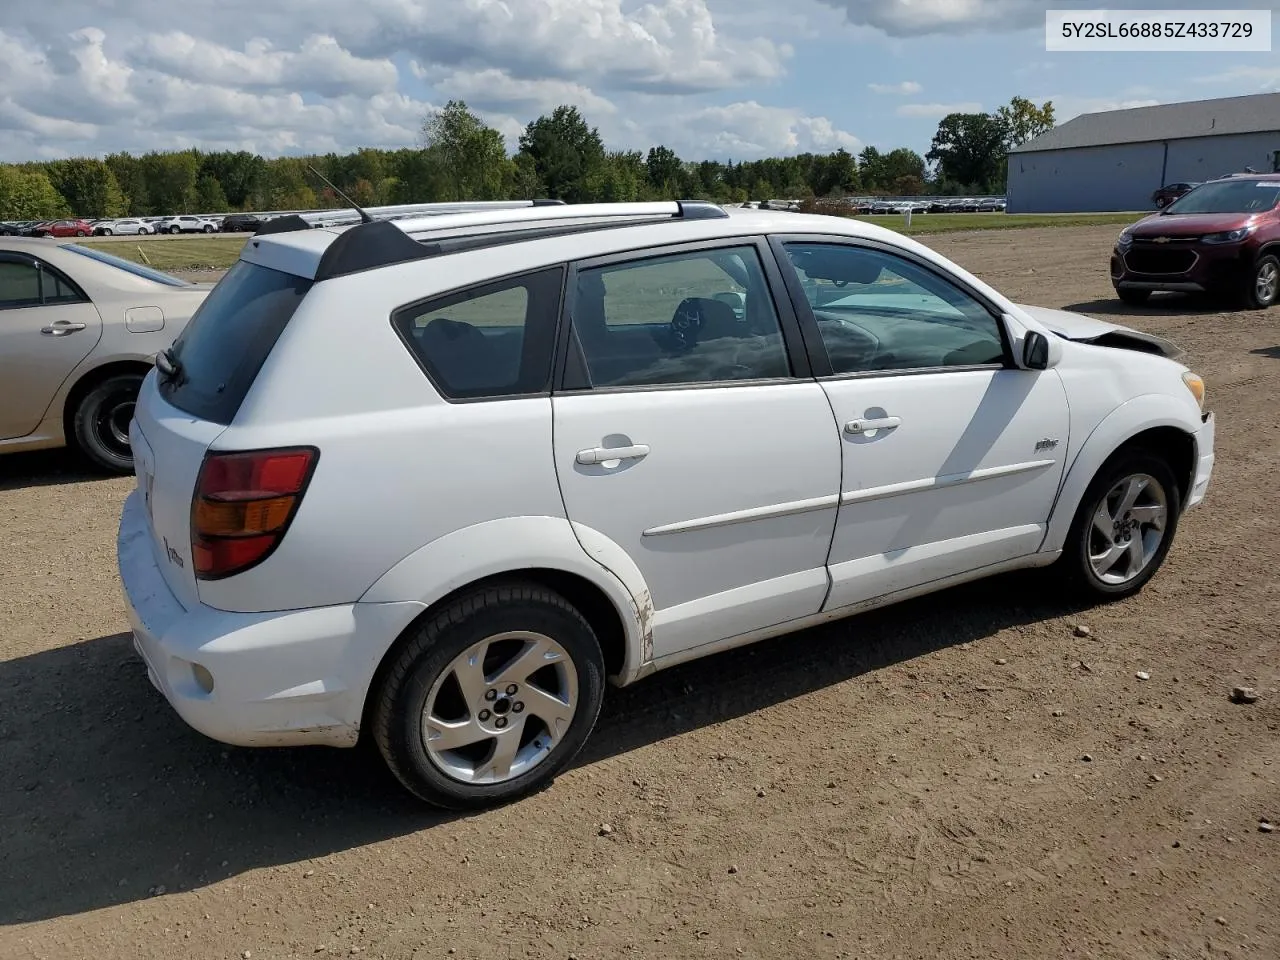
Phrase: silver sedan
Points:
(79, 329)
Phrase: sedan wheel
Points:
(490, 697)
(102, 422)
(106, 231)
(1124, 526)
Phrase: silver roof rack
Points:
(547, 214)
(349, 215)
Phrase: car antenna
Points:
(364, 214)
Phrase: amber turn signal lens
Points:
(241, 518)
(1196, 385)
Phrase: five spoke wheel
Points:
(500, 707)
(1128, 528)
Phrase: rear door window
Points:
(228, 339)
(487, 342)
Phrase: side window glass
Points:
(58, 290)
(700, 317)
(877, 311)
(491, 341)
(19, 285)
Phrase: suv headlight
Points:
(1196, 385)
(1229, 236)
(1125, 240)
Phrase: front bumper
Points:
(1204, 461)
(1214, 267)
(278, 679)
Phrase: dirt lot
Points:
(963, 777)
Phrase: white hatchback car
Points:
(438, 480)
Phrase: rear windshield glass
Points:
(137, 269)
(224, 346)
(1228, 196)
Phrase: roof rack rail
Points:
(389, 241)
(620, 212)
(344, 216)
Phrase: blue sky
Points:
(711, 78)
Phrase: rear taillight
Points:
(243, 505)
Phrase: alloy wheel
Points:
(499, 709)
(1128, 528)
(1266, 283)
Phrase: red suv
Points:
(66, 228)
(1223, 238)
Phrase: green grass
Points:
(176, 253)
(953, 222)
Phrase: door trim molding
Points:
(946, 480)
(789, 509)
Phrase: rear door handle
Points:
(859, 427)
(60, 328)
(605, 454)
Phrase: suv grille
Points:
(1148, 257)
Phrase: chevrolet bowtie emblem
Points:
(1161, 240)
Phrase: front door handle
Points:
(858, 427)
(60, 328)
(605, 454)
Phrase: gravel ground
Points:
(964, 777)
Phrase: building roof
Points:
(1257, 113)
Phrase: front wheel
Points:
(1262, 287)
(102, 419)
(1124, 526)
(490, 697)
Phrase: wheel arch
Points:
(541, 550)
(1145, 422)
(86, 382)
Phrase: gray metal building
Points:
(1115, 160)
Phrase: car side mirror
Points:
(1035, 351)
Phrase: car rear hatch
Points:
(197, 389)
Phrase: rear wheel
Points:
(175, 230)
(1134, 298)
(101, 423)
(1124, 526)
(208, 228)
(1262, 286)
(106, 231)
(490, 698)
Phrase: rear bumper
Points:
(1204, 461)
(284, 678)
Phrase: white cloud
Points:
(936, 111)
(82, 76)
(748, 129)
(904, 89)
(1260, 79)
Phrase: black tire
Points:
(1075, 563)
(398, 701)
(1253, 295)
(106, 232)
(1134, 298)
(81, 233)
(102, 415)
(208, 228)
(175, 230)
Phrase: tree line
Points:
(559, 156)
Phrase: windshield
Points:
(137, 269)
(1228, 196)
